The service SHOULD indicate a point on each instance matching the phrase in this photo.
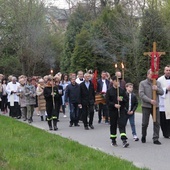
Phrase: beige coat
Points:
(41, 99)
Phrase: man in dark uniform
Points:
(116, 99)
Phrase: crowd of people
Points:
(117, 103)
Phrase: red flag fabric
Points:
(155, 59)
(94, 80)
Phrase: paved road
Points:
(154, 157)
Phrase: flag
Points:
(94, 80)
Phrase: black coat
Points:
(57, 96)
(100, 85)
(111, 99)
(72, 93)
(87, 96)
(134, 102)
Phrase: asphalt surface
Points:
(149, 155)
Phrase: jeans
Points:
(74, 113)
(132, 122)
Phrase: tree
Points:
(25, 35)
(77, 19)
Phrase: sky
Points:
(58, 3)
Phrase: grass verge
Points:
(23, 147)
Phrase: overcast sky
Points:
(58, 3)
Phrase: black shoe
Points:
(76, 124)
(71, 124)
(157, 142)
(91, 126)
(55, 128)
(29, 121)
(125, 144)
(42, 118)
(50, 128)
(167, 137)
(86, 128)
(114, 143)
(143, 139)
(19, 117)
(99, 121)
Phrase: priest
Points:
(164, 104)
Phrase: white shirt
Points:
(104, 88)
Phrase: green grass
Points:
(23, 147)
(139, 108)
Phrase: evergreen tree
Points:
(77, 19)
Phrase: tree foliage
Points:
(25, 35)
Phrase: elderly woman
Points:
(41, 99)
(30, 94)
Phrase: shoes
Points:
(135, 138)
(91, 126)
(99, 121)
(114, 143)
(76, 124)
(167, 137)
(42, 118)
(64, 116)
(143, 139)
(157, 142)
(86, 128)
(50, 128)
(107, 122)
(71, 124)
(55, 128)
(29, 121)
(125, 144)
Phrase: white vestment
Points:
(164, 100)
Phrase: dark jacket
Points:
(100, 85)
(87, 96)
(134, 102)
(57, 96)
(111, 98)
(72, 94)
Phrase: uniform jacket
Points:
(111, 98)
(57, 96)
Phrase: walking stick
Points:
(52, 89)
(118, 96)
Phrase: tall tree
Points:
(77, 19)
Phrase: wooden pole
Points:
(117, 79)
(123, 71)
(52, 89)
(118, 95)
(154, 91)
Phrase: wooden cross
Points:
(155, 72)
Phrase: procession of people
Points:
(116, 102)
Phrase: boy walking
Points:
(131, 106)
(116, 99)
